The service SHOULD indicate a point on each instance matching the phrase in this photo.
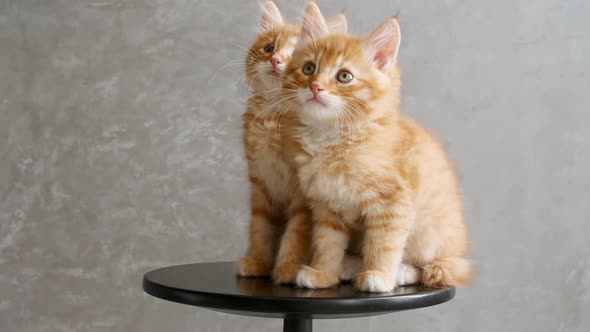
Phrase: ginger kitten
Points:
(276, 208)
(365, 169)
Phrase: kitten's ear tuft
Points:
(383, 43)
(337, 23)
(314, 25)
(271, 17)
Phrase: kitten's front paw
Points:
(250, 266)
(374, 281)
(285, 273)
(312, 278)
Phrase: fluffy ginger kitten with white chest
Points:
(366, 170)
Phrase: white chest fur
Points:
(324, 177)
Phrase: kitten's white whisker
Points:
(226, 66)
(286, 107)
(280, 100)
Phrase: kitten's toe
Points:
(311, 278)
(351, 265)
(408, 274)
(250, 266)
(374, 281)
(285, 273)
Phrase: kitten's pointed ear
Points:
(383, 42)
(271, 17)
(337, 23)
(314, 25)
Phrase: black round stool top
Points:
(216, 286)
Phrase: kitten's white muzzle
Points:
(270, 76)
(320, 108)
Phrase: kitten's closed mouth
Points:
(316, 100)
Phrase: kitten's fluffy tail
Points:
(448, 271)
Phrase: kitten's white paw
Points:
(408, 275)
(374, 281)
(351, 265)
(304, 280)
(312, 278)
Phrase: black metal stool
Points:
(215, 286)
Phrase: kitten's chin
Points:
(317, 114)
(317, 111)
(274, 74)
(270, 78)
(316, 102)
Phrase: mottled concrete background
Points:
(121, 153)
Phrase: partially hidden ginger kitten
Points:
(366, 170)
(277, 212)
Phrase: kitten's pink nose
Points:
(315, 89)
(275, 62)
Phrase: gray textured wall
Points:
(120, 153)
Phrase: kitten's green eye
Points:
(269, 48)
(309, 68)
(344, 76)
